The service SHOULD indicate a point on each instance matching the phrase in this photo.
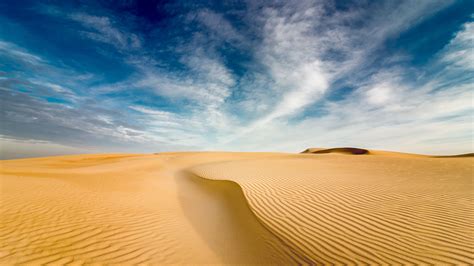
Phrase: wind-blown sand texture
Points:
(237, 208)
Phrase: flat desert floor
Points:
(320, 208)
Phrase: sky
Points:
(154, 76)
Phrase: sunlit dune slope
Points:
(386, 208)
(237, 208)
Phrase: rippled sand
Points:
(227, 208)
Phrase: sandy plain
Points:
(338, 206)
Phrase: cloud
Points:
(172, 127)
(19, 54)
(289, 51)
(302, 52)
(423, 122)
(200, 90)
(102, 29)
(219, 27)
(57, 89)
(86, 124)
(380, 94)
(207, 80)
(459, 51)
(305, 49)
(432, 114)
(386, 106)
(13, 148)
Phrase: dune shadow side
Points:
(219, 212)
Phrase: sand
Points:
(237, 208)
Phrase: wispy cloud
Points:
(389, 112)
(207, 81)
(459, 52)
(220, 29)
(19, 54)
(102, 29)
(305, 50)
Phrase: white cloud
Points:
(460, 51)
(18, 53)
(220, 27)
(55, 87)
(380, 94)
(105, 31)
(305, 50)
(431, 114)
(384, 89)
(173, 128)
(154, 112)
(291, 52)
(423, 122)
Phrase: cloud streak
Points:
(101, 29)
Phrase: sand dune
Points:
(344, 150)
(244, 208)
(128, 209)
(359, 210)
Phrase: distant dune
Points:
(456, 156)
(345, 150)
(238, 208)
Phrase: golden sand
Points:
(237, 208)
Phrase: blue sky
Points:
(150, 76)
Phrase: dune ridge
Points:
(240, 202)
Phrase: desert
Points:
(329, 207)
(236, 132)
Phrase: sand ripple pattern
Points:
(361, 210)
(76, 226)
(127, 210)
